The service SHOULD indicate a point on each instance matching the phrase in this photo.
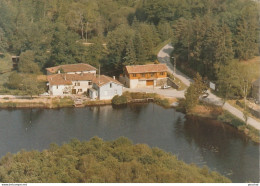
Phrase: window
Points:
(57, 87)
(134, 75)
(80, 90)
(110, 85)
(89, 83)
(151, 74)
(161, 73)
(75, 84)
(143, 75)
(78, 84)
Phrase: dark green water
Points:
(193, 139)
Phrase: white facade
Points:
(77, 87)
(84, 72)
(59, 90)
(108, 90)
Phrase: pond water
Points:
(192, 139)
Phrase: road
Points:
(164, 57)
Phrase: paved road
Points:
(164, 57)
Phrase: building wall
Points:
(107, 92)
(154, 75)
(83, 85)
(57, 90)
(85, 72)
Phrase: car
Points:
(165, 87)
(205, 95)
(45, 94)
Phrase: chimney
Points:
(114, 77)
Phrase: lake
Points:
(192, 139)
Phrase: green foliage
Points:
(99, 161)
(62, 102)
(27, 63)
(14, 81)
(229, 118)
(234, 80)
(30, 85)
(194, 92)
(119, 100)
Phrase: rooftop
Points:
(102, 80)
(72, 68)
(66, 79)
(146, 68)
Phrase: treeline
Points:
(113, 33)
(213, 33)
(100, 161)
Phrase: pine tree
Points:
(130, 57)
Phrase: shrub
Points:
(119, 100)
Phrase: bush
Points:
(119, 100)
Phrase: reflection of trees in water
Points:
(210, 134)
(30, 117)
(137, 107)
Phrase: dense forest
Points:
(205, 33)
(100, 161)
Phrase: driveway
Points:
(171, 93)
(164, 57)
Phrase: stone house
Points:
(105, 87)
(64, 84)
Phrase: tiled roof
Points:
(146, 68)
(104, 80)
(66, 79)
(72, 68)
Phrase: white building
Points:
(78, 68)
(64, 84)
(105, 88)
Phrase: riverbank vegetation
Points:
(98, 161)
(133, 97)
(207, 110)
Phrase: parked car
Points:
(165, 86)
(205, 95)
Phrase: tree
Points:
(246, 39)
(129, 57)
(3, 41)
(193, 93)
(64, 46)
(14, 81)
(27, 63)
(30, 85)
